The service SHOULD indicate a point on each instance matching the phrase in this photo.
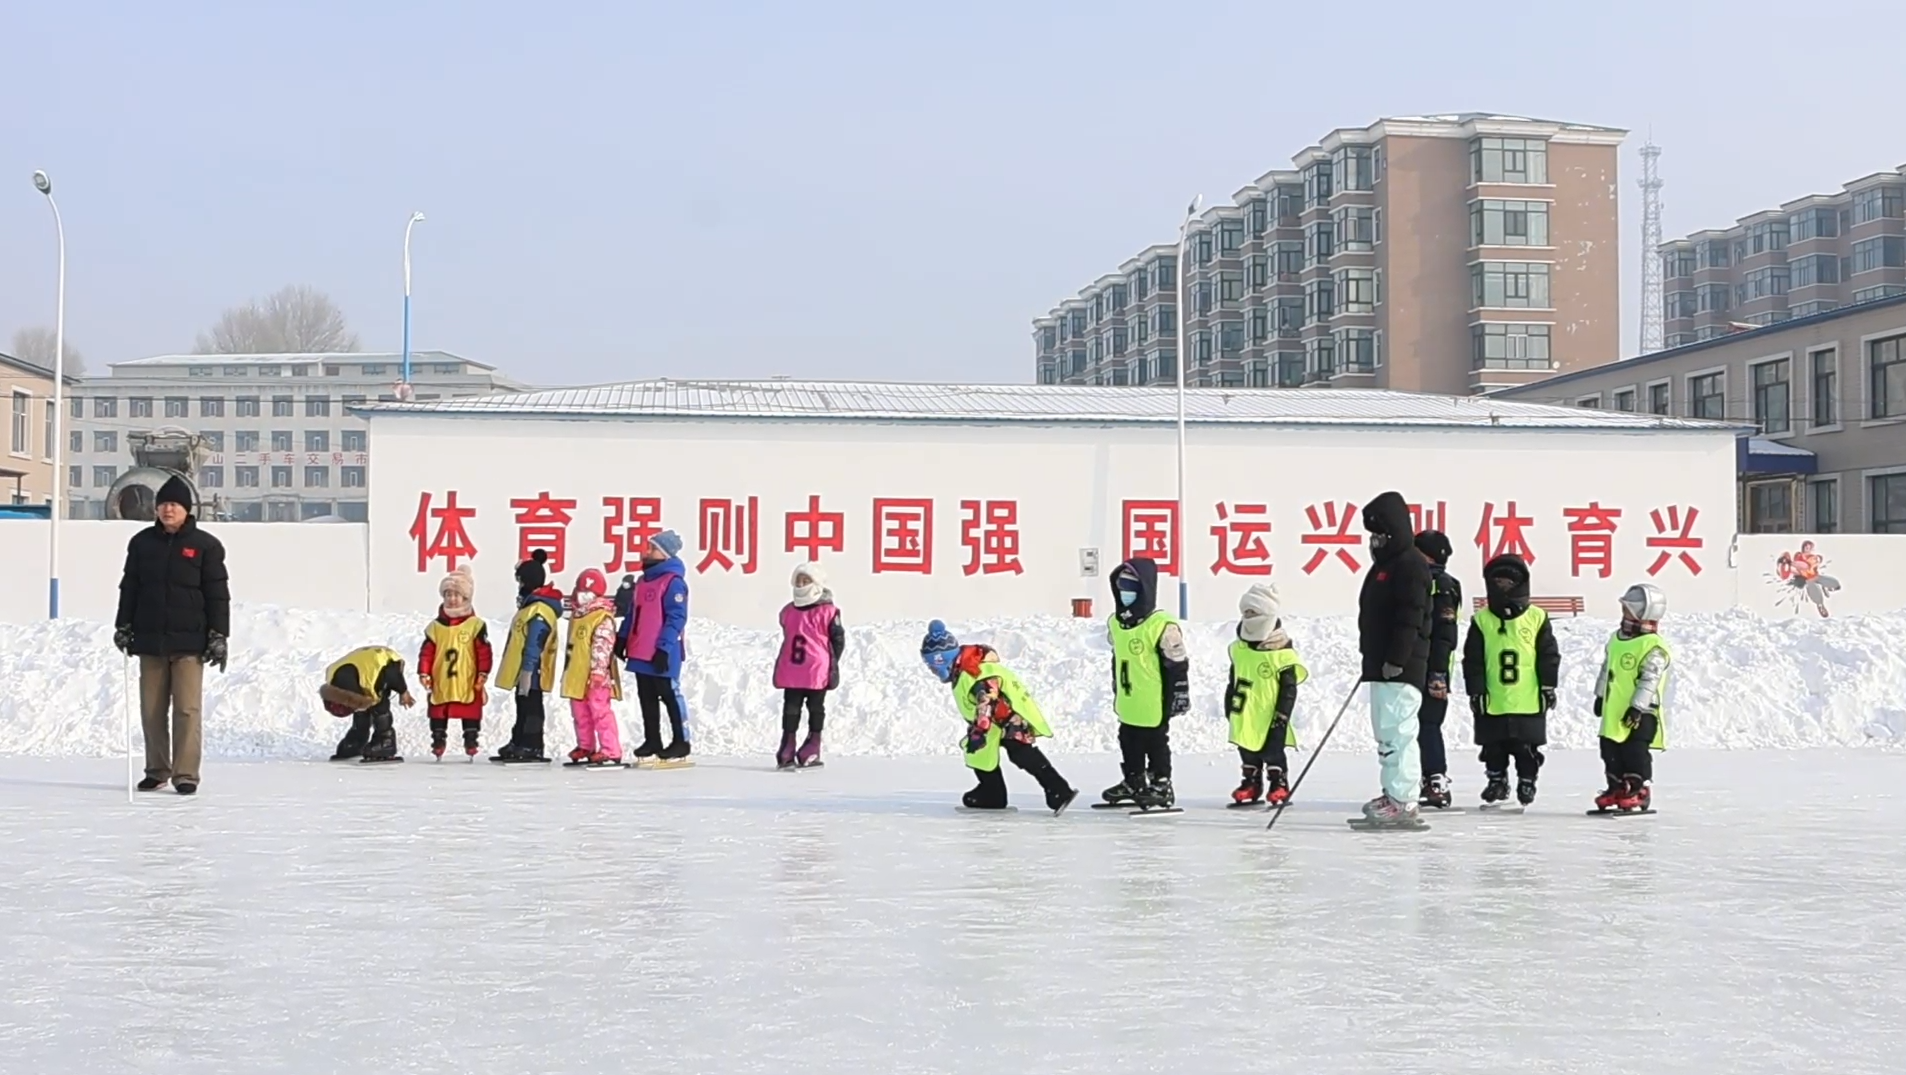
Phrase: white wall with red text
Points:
(922, 519)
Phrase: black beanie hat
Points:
(174, 491)
(530, 574)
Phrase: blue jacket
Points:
(674, 620)
(537, 635)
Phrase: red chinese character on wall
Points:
(989, 532)
(814, 530)
(1330, 532)
(903, 536)
(626, 529)
(729, 532)
(1240, 532)
(447, 540)
(1591, 538)
(1509, 538)
(542, 522)
(1151, 530)
(1425, 517)
(1675, 531)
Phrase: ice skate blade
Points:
(1501, 808)
(1259, 805)
(1440, 811)
(1113, 806)
(1364, 824)
(1611, 812)
(986, 809)
(647, 764)
(519, 761)
(604, 767)
(374, 762)
(1156, 811)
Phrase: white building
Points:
(284, 446)
(958, 501)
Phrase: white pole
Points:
(44, 185)
(125, 719)
(1184, 356)
(415, 218)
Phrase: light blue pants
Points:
(1393, 708)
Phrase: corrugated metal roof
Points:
(784, 399)
(334, 357)
(1763, 446)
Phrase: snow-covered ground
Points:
(310, 918)
(1739, 681)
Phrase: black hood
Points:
(1435, 545)
(1514, 600)
(1146, 572)
(1389, 515)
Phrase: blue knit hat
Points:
(669, 542)
(938, 639)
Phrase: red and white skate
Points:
(1277, 796)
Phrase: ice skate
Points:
(1375, 806)
(1250, 790)
(1156, 796)
(1436, 792)
(471, 752)
(784, 757)
(809, 756)
(436, 751)
(1059, 798)
(1611, 795)
(578, 757)
(1120, 794)
(602, 760)
(1635, 796)
(1497, 789)
(1525, 791)
(1276, 792)
(649, 749)
(1384, 812)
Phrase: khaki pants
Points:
(170, 689)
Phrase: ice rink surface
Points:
(455, 918)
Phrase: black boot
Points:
(1498, 787)
(352, 745)
(988, 794)
(1125, 791)
(383, 744)
(1436, 792)
(1157, 795)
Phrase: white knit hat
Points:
(1258, 612)
(816, 584)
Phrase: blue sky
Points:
(828, 189)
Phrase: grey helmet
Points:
(1646, 602)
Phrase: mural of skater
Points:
(1798, 578)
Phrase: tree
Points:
(294, 320)
(36, 346)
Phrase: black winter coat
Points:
(1393, 610)
(174, 591)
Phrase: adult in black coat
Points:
(1393, 628)
(175, 613)
(1446, 604)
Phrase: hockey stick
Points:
(1315, 754)
(125, 721)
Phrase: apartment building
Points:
(26, 471)
(1827, 391)
(1453, 254)
(283, 447)
(1809, 256)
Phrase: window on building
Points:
(1510, 284)
(1290, 205)
(1356, 228)
(1290, 369)
(281, 511)
(245, 440)
(1230, 237)
(138, 407)
(1772, 396)
(75, 441)
(351, 477)
(103, 477)
(1509, 160)
(214, 439)
(1713, 254)
(1259, 374)
(1886, 364)
(281, 406)
(1320, 299)
(1823, 506)
(1260, 325)
(1165, 366)
(1290, 315)
(1814, 269)
(317, 406)
(1230, 286)
(1322, 237)
(1715, 298)
(247, 406)
(1260, 271)
(1681, 304)
(281, 440)
(1707, 396)
(1118, 297)
(1354, 168)
(1886, 503)
(1165, 321)
(1821, 222)
(1770, 507)
(105, 441)
(1508, 223)
(1768, 235)
(1593, 402)
(1258, 215)
(1659, 401)
(301, 370)
(211, 477)
(1356, 291)
(317, 440)
(1321, 358)
(73, 477)
(198, 371)
(1165, 273)
(1317, 184)
(1677, 263)
(1875, 294)
(1761, 283)
(1231, 337)
(51, 439)
(1625, 400)
(333, 371)
(1201, 347)
(281, 477)
(1356, 350)
(317, 477)
(245, 477)
(1140, 329)
(1501, 345)
(1075, 361)
(1886, 251)
(1875, 203)
(211, 407)
(1825, 387)
(1201, 297)
(1202, 250)
(105, 407)
(21, 426)
(1290, 260)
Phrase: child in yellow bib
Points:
(1630, 697)
(1260, 697)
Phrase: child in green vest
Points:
(1260, 697)
(1001, 717)
(528, 667)
(1511, 666)
(1629, 697)
(1151, 673)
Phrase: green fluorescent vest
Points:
(1140, 699)
(1624, 673)
(1508, 655)
(1253, 706)
(986, 759)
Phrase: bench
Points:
(1574, 606)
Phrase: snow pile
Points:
(1738, 681)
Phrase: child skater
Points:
(455, 664)
(528, 667)
(812, 641)
(359, 685)
(1260, 697)
(1151, 671)
(1511, 665)
(1446, 609)
(591, 681)
(1629, 697)
(1000, 714)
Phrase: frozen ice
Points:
(305, 917)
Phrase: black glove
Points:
(1598, 705)
(660, 661)
(1475, 706)
(1632, 719)
(122, 640)
(621, 650)
(1548, 700)
(625, 596)
(215, 650)
(1180, 702)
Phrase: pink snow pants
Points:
(596, 729)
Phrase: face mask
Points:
(940, 663)
(1128, 598)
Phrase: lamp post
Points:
(415, 219)
(58, 493)
(1184, 338)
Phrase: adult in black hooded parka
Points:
(1393, 629)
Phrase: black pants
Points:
(1496, 757)
(1144, 753)
(371, 733)
(991, 790)
(1429, 736)
(792, 699)
(440, 732)
(1271, 754)
(654, 694)
(527, 734)
(1632, 757)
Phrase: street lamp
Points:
(415, 219)
(44, 185)
(1184, 338)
